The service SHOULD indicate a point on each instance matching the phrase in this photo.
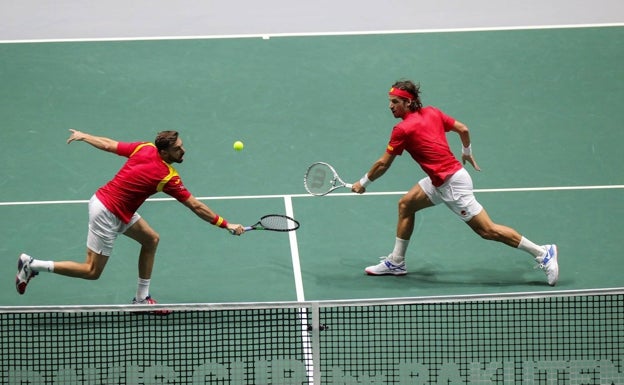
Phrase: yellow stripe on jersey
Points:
(172, 171)
(140, 146)
(165, 180)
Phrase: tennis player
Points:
(112, 210)
(422, 133)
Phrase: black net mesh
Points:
(575, 339)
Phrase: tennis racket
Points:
(321, 179)
(274, 222)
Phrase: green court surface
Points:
(544, 108)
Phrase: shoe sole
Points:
(556, 259)
(161, 313)
(158, 313)
(19, 284)
(388, 273)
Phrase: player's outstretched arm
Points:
(377, 170)
(204, 212)
(98, 142)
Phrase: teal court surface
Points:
(544, 108)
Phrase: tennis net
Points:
(557, 337)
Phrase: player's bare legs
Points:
(142, 232)
(545, 256)
(394, 264)
(414, 200)
(94, 264)
(487, 229)
(91, 268)
(148, 238)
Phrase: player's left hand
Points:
(75, 135)
(470, 159)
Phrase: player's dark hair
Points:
(412, 88)
(165, 139)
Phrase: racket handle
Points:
(348, 185)
(247, 228)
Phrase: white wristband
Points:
(467, 150)
(365, 181)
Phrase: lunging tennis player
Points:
(112, 210)
(422, 133)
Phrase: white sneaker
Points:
(24, 272)
(549, 264)
(150, 301)
(387, 267)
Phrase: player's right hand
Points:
(358, 188)
(235, 229)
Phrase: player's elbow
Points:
(108, 146)
(460, 128)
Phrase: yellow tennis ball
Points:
(238, 145)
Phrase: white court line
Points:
(294, 251)
(306, 340)
(283, 196)
(266, 36)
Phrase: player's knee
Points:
(488, 233)
(153, 240)
(92, 273)
(406, 206)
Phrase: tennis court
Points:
(541, 121)
(543, 107)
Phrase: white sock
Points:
(38, 265)
(531, 248)
(400, 247)
(142, 289)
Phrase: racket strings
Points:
(320, 179)
(279, 222)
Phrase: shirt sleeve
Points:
(396, 145)
(126, 149)
(447, 121)
(176, 189)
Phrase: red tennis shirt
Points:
(143, 174)
(423, 135)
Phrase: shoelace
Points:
(539, 265)
(383, 259)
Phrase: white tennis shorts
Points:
(456, 193)
(104, 227)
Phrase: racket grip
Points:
(247, 228)
(348, 185)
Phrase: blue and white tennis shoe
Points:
(387, 267)
(548, 262)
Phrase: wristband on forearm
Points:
(467, 150)
(364, 181)
(219, 222)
